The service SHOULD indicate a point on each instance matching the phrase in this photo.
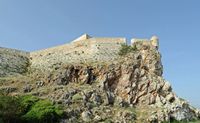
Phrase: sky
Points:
(37, 24)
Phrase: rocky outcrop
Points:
(134, 80)
(13, 62)
(129, 89)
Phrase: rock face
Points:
(129, 89)
(134, 80)
(13, 61)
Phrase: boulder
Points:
(27, 88)
(86, 116)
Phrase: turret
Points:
(155, 41)
(82, 37)
(134, 40)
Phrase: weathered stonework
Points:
(84, 50)
(154, 41)
(89, 74)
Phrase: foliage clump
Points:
(29, 109)
(10, 109)
(77, 97)
(43, 111)
(125, 49)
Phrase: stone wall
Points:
(106, 49)
(83, 51)
(13, 61)
(154, 41)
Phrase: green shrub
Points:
(43, 111)
(27, 101)
(77, 97)
(126, 49)
(28, 109)
(10, 108)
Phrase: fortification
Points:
(13, 61)
(154, 41)
(85, 49)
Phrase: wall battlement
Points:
(82, 50)
(85, 49)
(154, 41)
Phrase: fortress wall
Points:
(106, 49)
(89, 50)
(68, 53)
(52, 56)
(13, 61)
(85, 50)
(48, 50)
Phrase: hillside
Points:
(126, 89)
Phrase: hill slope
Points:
(129, 89)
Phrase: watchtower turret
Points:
(155, 41)
(82, 37)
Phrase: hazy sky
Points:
(35, 24)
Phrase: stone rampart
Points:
(83, 51)
(13, 61)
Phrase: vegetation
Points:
(43, 111)
(10, 109)
(77, 97)
(28, 109)
(125, 49)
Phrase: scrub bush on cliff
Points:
(125, 49)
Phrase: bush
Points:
(126, 49)
(43, 111)
(28, 109)
(10, 109)
(27, 101)
(77, 97)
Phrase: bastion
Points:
(84, 49)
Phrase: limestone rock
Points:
(40, 84)
(125, 117)
(86, 116)
(7, 90)
(96, 98)
(95, 84)
(27, 88)
(170, 97)
(97, 118)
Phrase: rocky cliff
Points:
(129, 89)
(13, 61)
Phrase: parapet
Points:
(84, 49)
(82, 37)
(154, 41)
